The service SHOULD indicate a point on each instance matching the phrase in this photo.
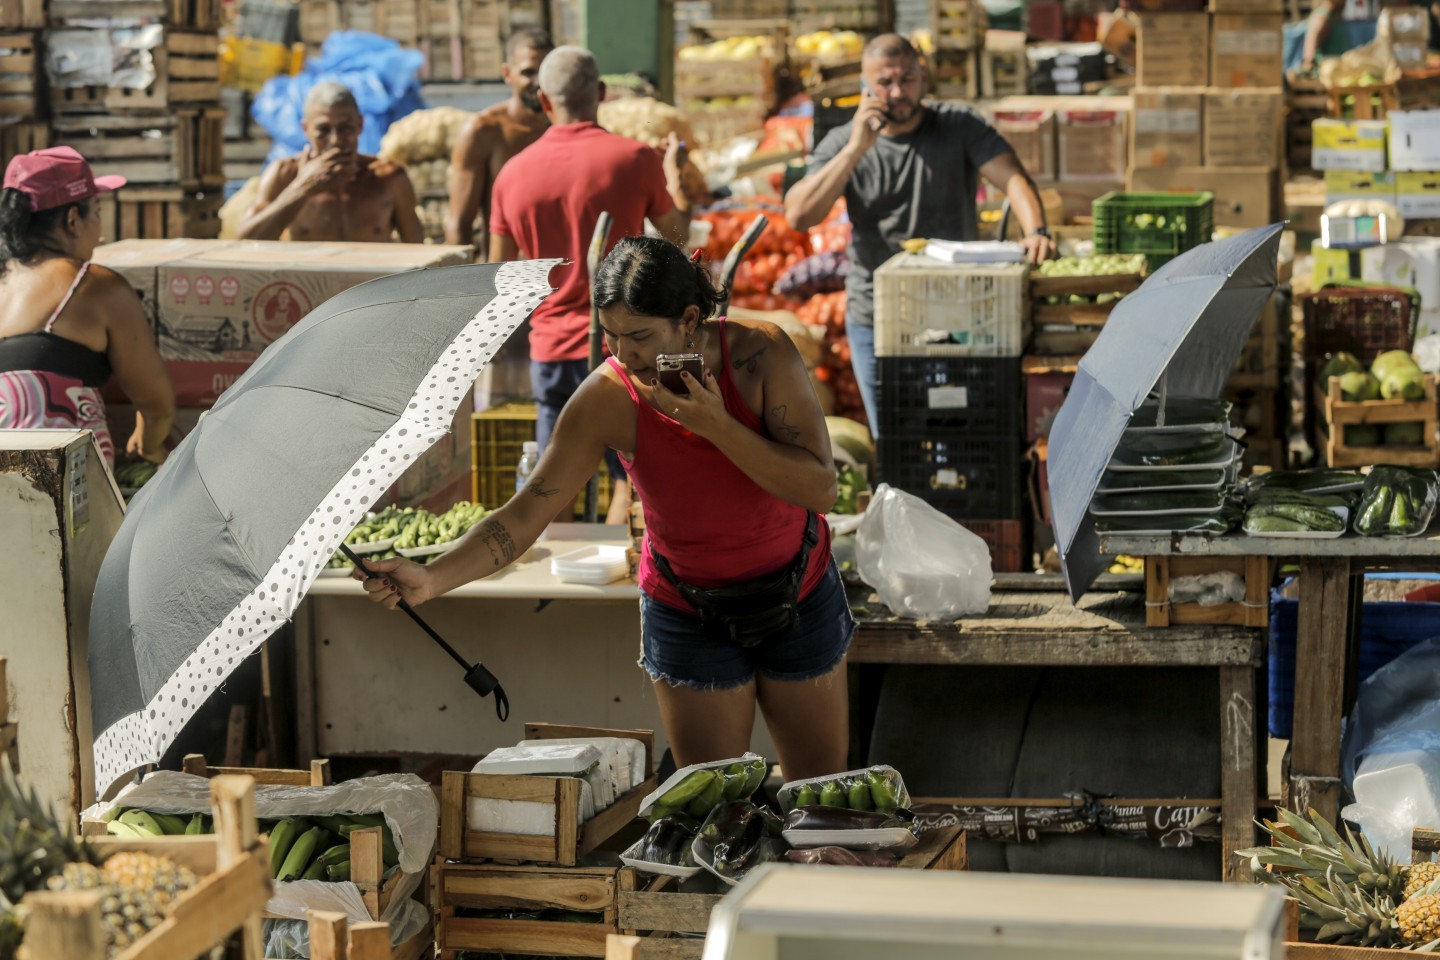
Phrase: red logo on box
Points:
(204, 287)
(180, 287)
(229, 290)
(278, 307)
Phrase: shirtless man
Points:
(494, 136)
(331, 191)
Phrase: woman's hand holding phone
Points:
(698, 405)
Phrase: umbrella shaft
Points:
(433, 635)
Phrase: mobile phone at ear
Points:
(670, 365)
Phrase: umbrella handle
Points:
(480, 680)
(737, 253)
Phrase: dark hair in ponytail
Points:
(24, 232)
(652, 277)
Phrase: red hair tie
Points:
(695, 257)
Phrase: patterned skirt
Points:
(39, 400)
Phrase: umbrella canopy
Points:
(1187, 323)
(218, 549)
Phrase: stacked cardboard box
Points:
(1210, 109)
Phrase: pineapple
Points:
(1317, 851)
(34, 846)
(1418, 919)
(1345, 913)
(1420, 875)
(137, 887)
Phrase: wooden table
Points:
(1039, 626)
(1330, 585)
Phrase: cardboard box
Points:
(1166, 129)
(1032, 135)
(1351, 185)
(1247, 49)
(1174, 50)
(218, 303)
(1417, 195)
(1077, 197)
(1428, 324)
(1348, 145)
(1247, 6)
(1244, 196)
(1408, 262)
(1414, 140)
(1092, 144)
(1243, 126)
(1047, 382)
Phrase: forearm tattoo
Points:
(787, 433)
(498, 541)
(751, 363)
(538, 488)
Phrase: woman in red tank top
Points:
(741, 603)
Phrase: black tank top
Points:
(52, 353)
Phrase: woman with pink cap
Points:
(66, 325)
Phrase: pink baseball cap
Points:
(55, 177)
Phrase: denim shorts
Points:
(676, 649)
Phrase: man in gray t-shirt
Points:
(906, 169)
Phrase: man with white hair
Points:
(331, 191)
(545, 204)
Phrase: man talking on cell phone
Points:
(906, 169)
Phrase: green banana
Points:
(339, 871)
(196, 826)
(661, 811)
(709, 798)
(367, 819)
(301, 854)
(172, 825)
(117, 828)
(143, 821)
(282, 838)
(335, 824)
(388, 851)
(316, 871)
(340, 851)
(688, 789)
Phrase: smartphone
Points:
(669, 366)
(875, 125)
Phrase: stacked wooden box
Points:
(1210, 109)
(22, 75)
(167, 138)
(957, 29)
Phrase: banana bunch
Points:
(318, 848)
(134, 824)
(706, 788)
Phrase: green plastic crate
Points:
(1160, 225)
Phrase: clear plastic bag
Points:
(922, 563)
(1396, 502)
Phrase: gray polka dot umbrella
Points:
(218, 549)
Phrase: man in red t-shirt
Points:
(545, 204)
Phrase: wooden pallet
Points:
(1333, 413)
(20, 74)
(958, 25)
(18, 138)
(456, 887)
(652, 906)
(1414, 91)
(180, 147)
(160, 213)
(954, 75)
(334, 937)
(22, 14)
(234, 883)
(1253, 611)
(317, 776)
(9, 730)
(708, 79)
(1078, 314)
(572, 839)
(187, 72)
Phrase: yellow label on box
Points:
(1418, 194)
(1330, 265)
(1331, 134)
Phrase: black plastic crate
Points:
(959, 472)
(976, 394)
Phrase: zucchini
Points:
(1271, 523)
(1312, 517)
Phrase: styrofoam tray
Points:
(674, 779)
(630, 860)
(539, 757)
(785, 796)
(428, 551)
(374, 546)
(1189, 511)
(1342, 512)
(1221, 464)
(898, 839)
(596, 564)
(337, 571)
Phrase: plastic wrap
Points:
(652, 801)
(788, 793)
(949, 578)
(290, 939)
(1396, 502)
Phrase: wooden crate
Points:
(1253, 611)
(20, 74)
(1085, 314)
(651, 905)
(22, 14)
(713, 126)
(187, 72)
(1333, 414)
(234, 884)
(160, 213)
(708, 79)
(460, 886)
(954, 75)
(245, 158)
(317, 776)
(175, 14)
(9, 730)
(959, 25)
(184, 148)
(1003, 73)
(571, 840)
(18, 138)
(807, 16)
(1418, 90)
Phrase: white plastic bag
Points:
(922, 563)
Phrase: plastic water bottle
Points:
(529, 455)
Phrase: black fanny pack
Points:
(751, 612)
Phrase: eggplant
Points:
(727, 820)
(841, 857)
(735, 851)
(838, 818)
(668, 839)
